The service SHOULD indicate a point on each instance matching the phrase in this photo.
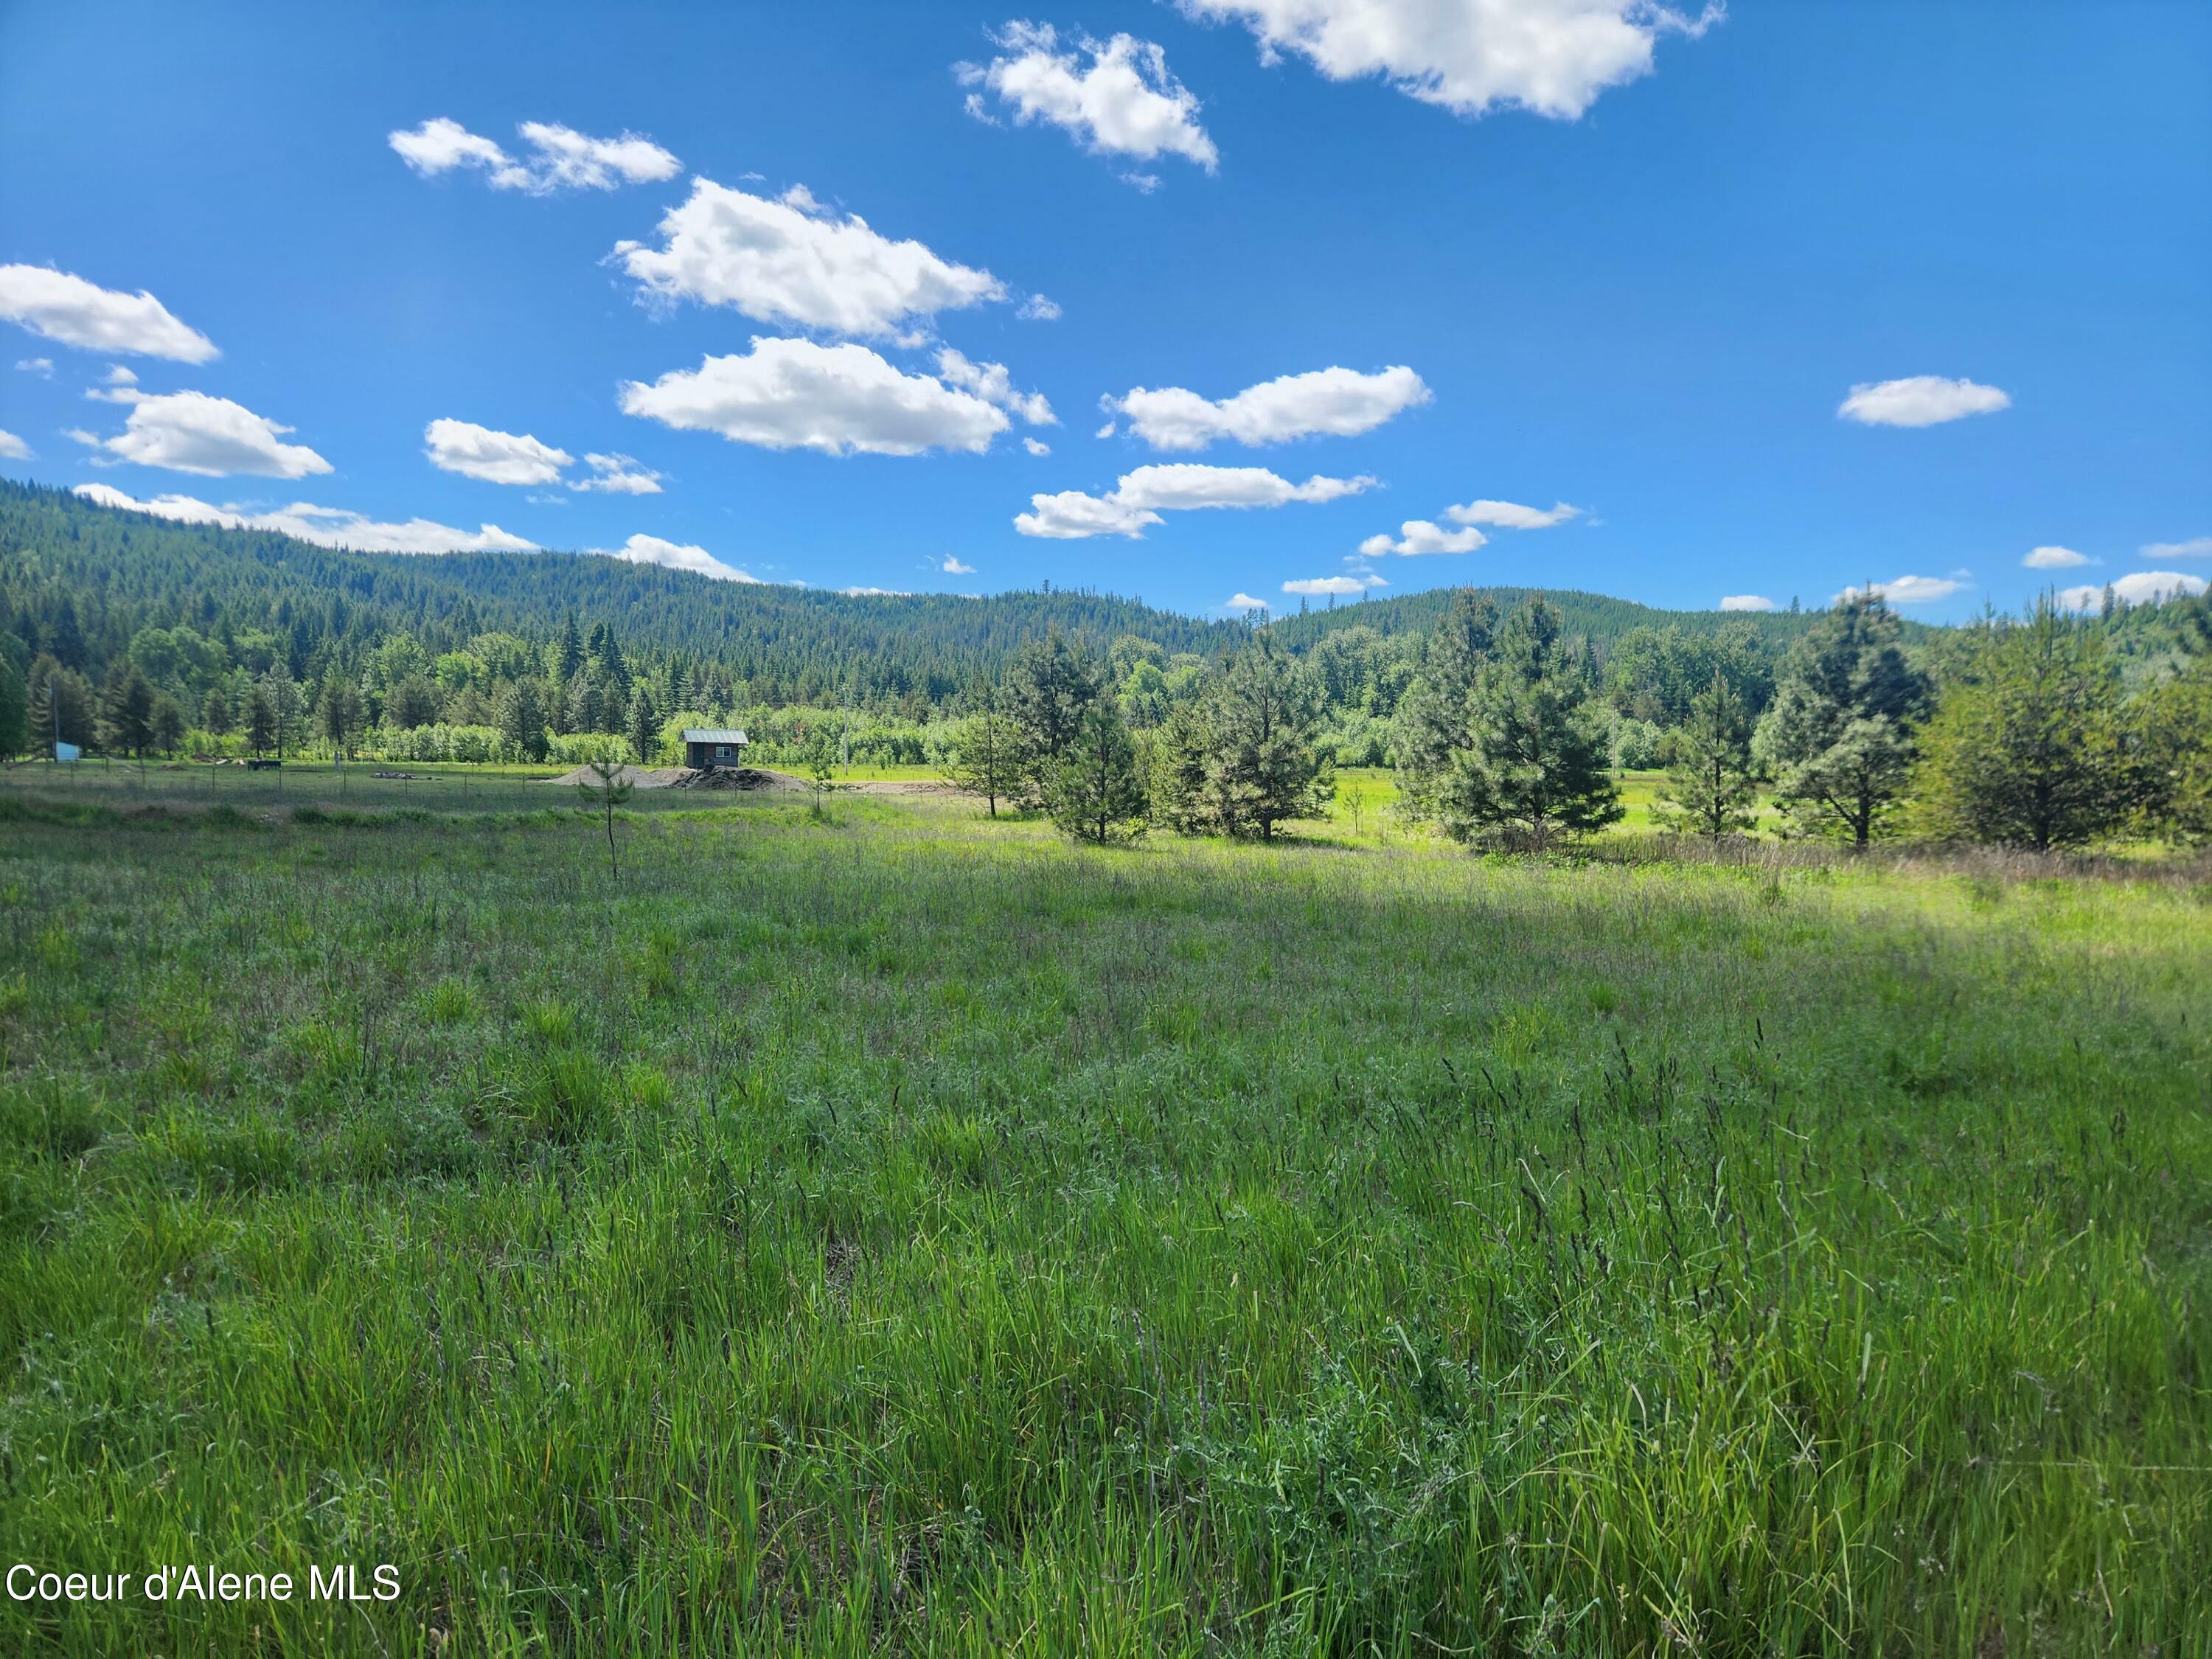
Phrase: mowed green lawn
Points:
(905, 1232)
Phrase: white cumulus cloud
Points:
(994, 385)
(325, 527)
(1317, 586)
(2054, 558)
(2141, 587)
(680, 556)
(1037, 446)
(1244, 602)
(1038, 309)
(1336, 402)
(1747, 602)
(41, 367)
(794, 394)
(1906, 590)
(500, 458)
(618, 474)
(77, 312)
(1115, 97)
(953, 567)
(1140, 497)
(1920, 400)
(212, 437)
(1553, 56)
(1073, 514)
(559, 158)
(792, 260)
(1418, 536)
(1510, 515)
(2197, 547)
(13, 448)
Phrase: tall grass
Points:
(906, 1232)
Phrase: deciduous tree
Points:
(984, 758)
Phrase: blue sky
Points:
(1506, 256)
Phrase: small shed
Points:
(707, 747)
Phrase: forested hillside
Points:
(312, 607)
(239, 637)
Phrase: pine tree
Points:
(1264, 769)
(341, 713)
(1050, 688)
(584, 705)
(521, 719)
(61, 705)
(15, 709)
(167, 724)
(1711, 777)
(614, 670)
(288, 709)
(126, 710)
(600, 792)
(2026, 749)
(1178, 752)
(1536, 763)
(1839, 736)
(260, 721)
(65, 638)
(1434, 718)
(2170, 778)
(1094, 791)
(569, 655)
(412, 702)
(214, 712)
(641, 723)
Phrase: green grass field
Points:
(904, 1233)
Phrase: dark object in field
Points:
(710, 748)
(410, 777)
(259, 765)
(735, 777)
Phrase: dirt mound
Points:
(740, 777)
(638, 777)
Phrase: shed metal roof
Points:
(714, 734)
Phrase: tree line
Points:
(1502, 712)
(431, 645)
(2018, 733)
(2022, 733)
